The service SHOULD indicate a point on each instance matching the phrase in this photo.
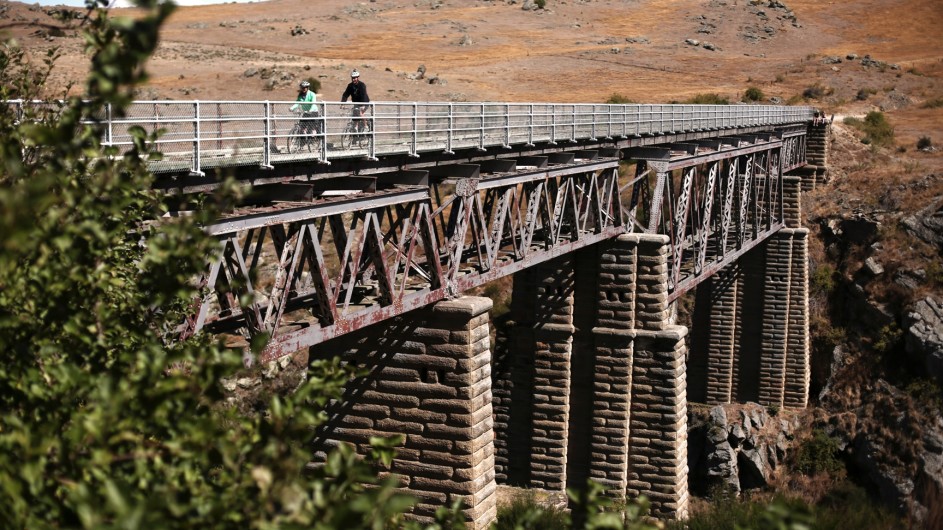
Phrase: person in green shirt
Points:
(309, 109)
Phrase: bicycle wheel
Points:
(292, 139)
(350, 136)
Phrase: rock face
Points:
(900, 451)
(736, 447)
(927, 224)
(924, 335)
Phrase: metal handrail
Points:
(201, 135)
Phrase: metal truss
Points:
(304, 272)
(715, 199)
(321, 259)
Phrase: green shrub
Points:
(823, 280)
(707, 99)
(848, 506)
(104, 423)
(877, 130)
(844, 507)
(524, 513)
(818, 454)
(540, 3)
(865, 93)
(753, 94)
(924, 142)
(888, 338)
(813, 92)
(590, 510)
(619, 99)
(315, 84)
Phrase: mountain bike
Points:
(357, 129)
(304, 135)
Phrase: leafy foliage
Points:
(104, 423)
(753, 94)
(707, 99)
(619, 99)
(819, 454)
(843, 506)
(877, 130)
(591, 510)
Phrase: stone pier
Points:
(815, 172)
(625, 375)
(429, 379)
(750, 337)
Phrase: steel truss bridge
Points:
(438, 198)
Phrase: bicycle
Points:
(304, 135)
(355, 133)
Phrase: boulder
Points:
(923, 337)
(927, 224)
(754, 468)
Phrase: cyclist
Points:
(357, 92)
(309, 109)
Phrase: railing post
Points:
(219, 125)
(266, 135)
(530, 125)
(481, 129)
(195, 170)
(553, 124)
(449, 138)
(573, 128)
(109, 132)
(507, 125)
(415, 133)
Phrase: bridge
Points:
(605, 215)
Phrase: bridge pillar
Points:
(658, 463)
(815, 172)
(533, 383)
(712, 360)
(429, 379)
(613, 340)
(798, 349)
(615, 357)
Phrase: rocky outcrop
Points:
(927, 224)
(736, 447)
(924, 336)
(897, 449)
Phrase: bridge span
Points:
(367, 245)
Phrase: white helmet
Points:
(355, 73)
(304, 84)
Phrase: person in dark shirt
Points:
(357, 92)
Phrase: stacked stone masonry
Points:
(815, 172)
(429, 379)
(751, 321)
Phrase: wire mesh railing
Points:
(196, 136)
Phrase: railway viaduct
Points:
(368, 245)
